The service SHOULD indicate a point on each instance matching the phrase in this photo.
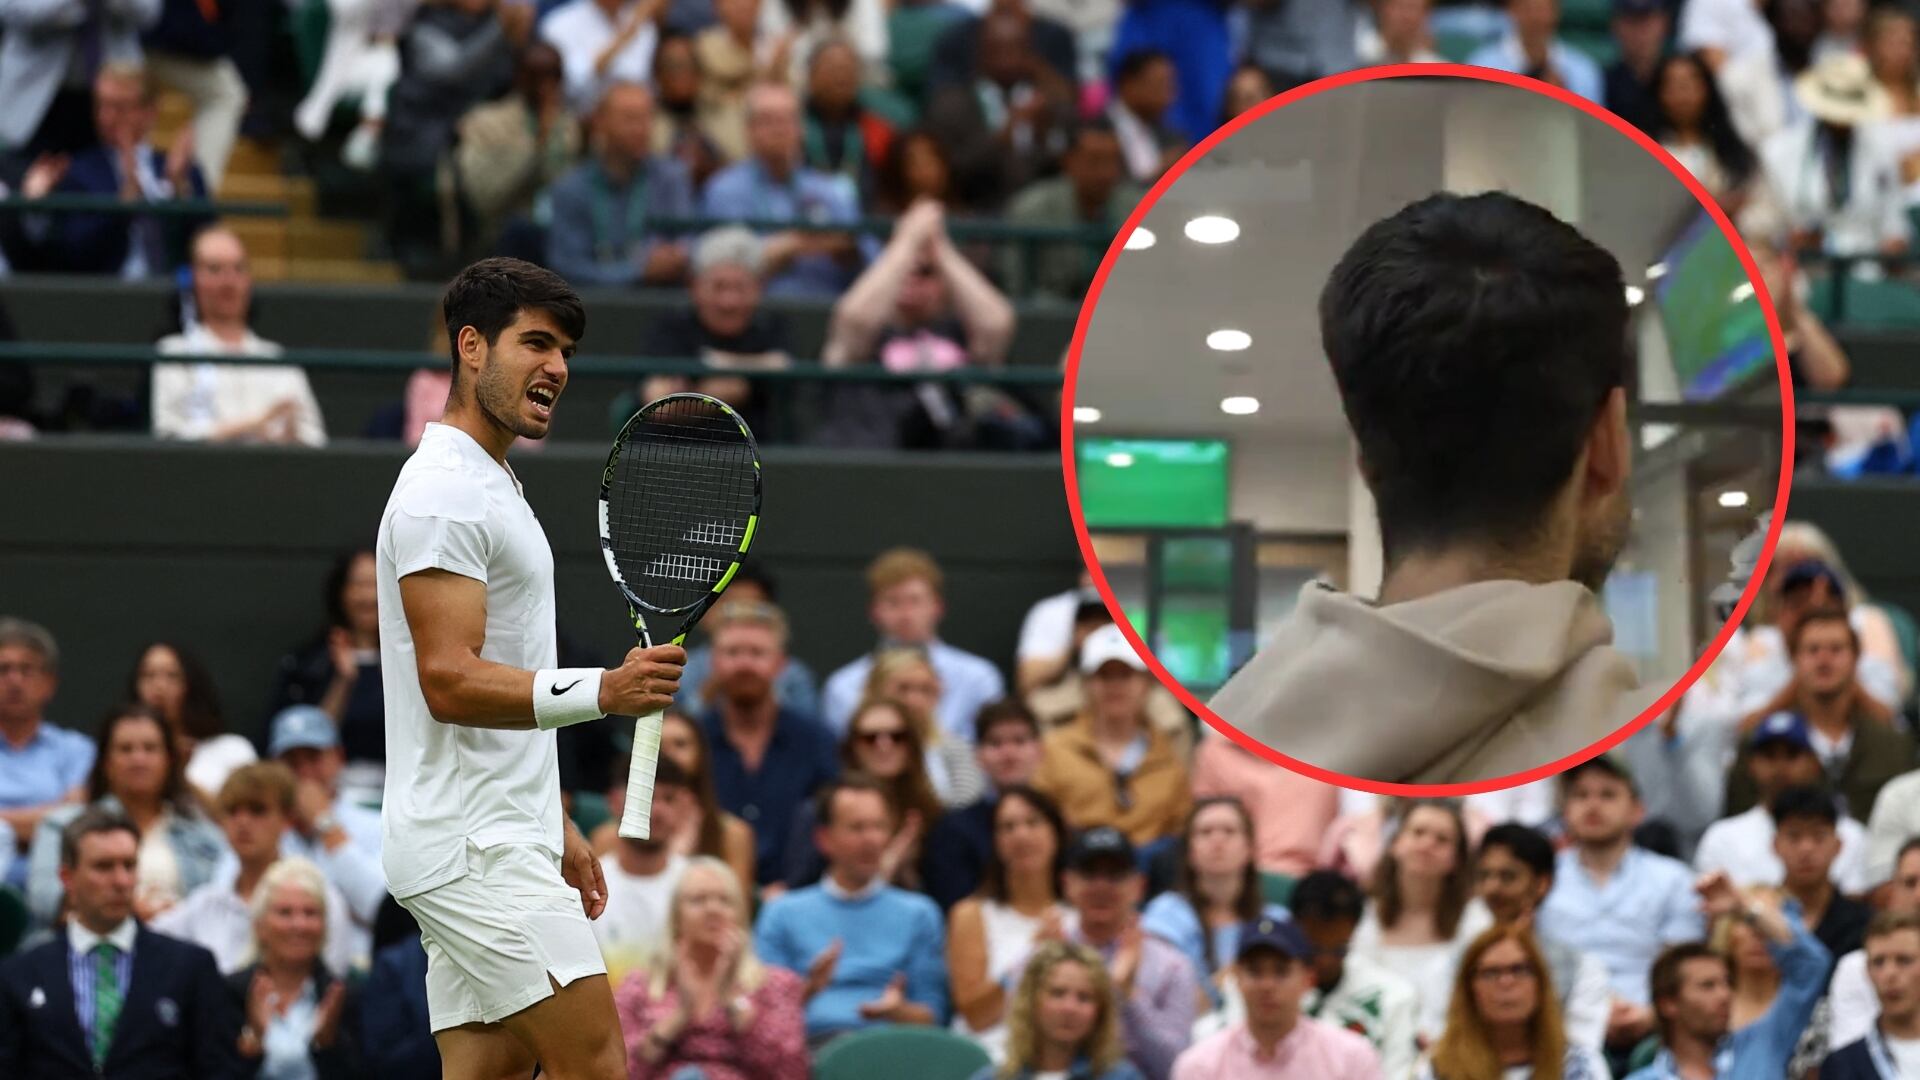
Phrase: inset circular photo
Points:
(1425, 425)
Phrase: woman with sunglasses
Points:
(1503, 1022)
(991, 933)
(882, 742)
(907, 677)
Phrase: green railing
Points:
(113, 204)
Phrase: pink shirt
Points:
(1311, 1051)
(1290, 812)
(774, 1046)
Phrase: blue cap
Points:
(1808, 572)
(1786, 727)
(1281, 935)
(302, 727)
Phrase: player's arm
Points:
(447, 615)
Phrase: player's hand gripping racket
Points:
(678, 505)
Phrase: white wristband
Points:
(563, 696)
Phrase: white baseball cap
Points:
(1107, 644)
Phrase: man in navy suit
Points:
(107, 997)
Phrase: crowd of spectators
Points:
(916, 839)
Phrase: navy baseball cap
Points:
(1280, 935)
(1786, 727)
(1100, 844)
(1631, 8)
(1803, 574)
(302, 727)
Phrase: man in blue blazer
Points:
(107, 997)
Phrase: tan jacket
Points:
(1073, 774)
(502, 161)
(1472, 683)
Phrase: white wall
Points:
(1291, 484)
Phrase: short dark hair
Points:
(757, 573)
(1663, 981)
(1804, 804)
(1098, 125)
(491, 293)
(1529, 846)
(824, 799)
(1474, 339)
(1327, 894)
(92, 821)
(1136, 62)
(1817, 617)
(1005, 711)
(993, 876)
(1600, 763)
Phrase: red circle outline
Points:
(1334, 82)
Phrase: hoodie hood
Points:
(1473, 683)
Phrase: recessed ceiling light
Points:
(1140, 239)
(1733, 500)
(1634, 295)
(1229, 340)
(1212, 229)
(1119, 460)
(1086, 414)
(1239, 406)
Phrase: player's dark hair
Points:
(1474, 340)
(1804, 804)
(491, 293)
(93, 821)
(1005, 711)
(1529, 847)
(1327, 894)
(829, 793)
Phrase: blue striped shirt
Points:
(82, 969)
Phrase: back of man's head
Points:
(1475, 340)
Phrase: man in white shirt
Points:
(1532, 48)
(476, 845)
(1781, 757)
(1851, 991)
(642, 875)
(602, 42)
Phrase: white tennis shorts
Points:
(495, 935)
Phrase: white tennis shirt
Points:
(455, 508)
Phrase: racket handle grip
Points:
(636, 820)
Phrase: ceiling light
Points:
(1212, 229)
(1229, 340)
(1119, 460)
(1086, 414)
(1733, 500)
(1656, 271)
(1239, 406)
(1634, 295)
(1140, 239)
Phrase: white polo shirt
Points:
(457, 509)
(1742, 845)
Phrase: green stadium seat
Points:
(1598, 44)
(590, 811)
(924, 1053)
(13, 919)
(1277, 888)
(1906, 629)
(1592, 16)
(1457, 47)
(1877, 304)
(912, 32)
(1644, 1053)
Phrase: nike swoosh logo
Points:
(558, 690)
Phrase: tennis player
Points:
(477, 846)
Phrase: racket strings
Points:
(683, 487)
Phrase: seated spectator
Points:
(1850, 993)
(1806, 839)
(956, 52)
(708, 1006)
(1064, 697)
(1893, 956)
(256, 806)
(1757, 72)
(1143, 94)
(329, 827)
(917, 168)
(843, 137)
(883, 743)
(508, 151)
(203, 400)
(703, 828)
(1063, 1020)
(680, 127)
(1090, 192)
(795, 684)
(872, 953)
(1110, 767)
(1398, 34)
(601, 43)
(768, 758)
(51, 67)
(300, 1009)
(1758, 983)
(1294, 811)
(733, 57)
(41, 766)
(1157, 988)
(773, 184)
(1273, 969)
(1532, 48)
(90, 965)
(1835, 177)
(191, 50)
(339, 671)
(1611, 899)
(805, 25)
(905, 602)
(992, 933)
(1006, 121)
(641, 875)
(1779, 758)
(726, 327)
(1197, 39)
(1299, 44)
(600, 232)
(1349, 991)
(122, 163)
(1051, 633)
(175, 683)
(905, 677)
(1892, 49)
(1690, 121)
(1216, 892)
(1504, 1020)
(396, 1034)
(1423, 912)
(1640, 29)
(1513, 872)
(960, 846)
(136, 773)
(1249, 86)
(1857, 746)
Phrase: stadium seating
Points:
(919, 1052)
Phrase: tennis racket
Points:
(678, 506)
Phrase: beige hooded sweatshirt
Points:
(1472, 683)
